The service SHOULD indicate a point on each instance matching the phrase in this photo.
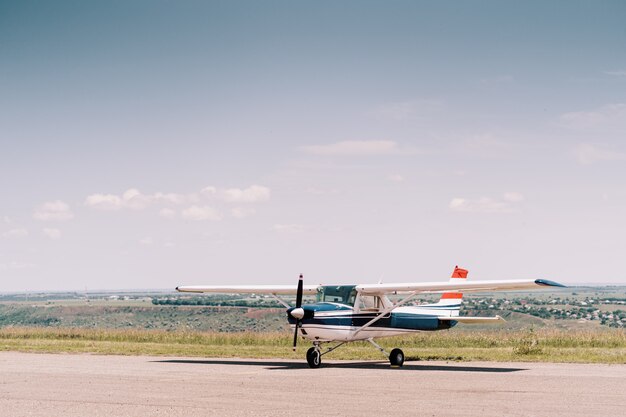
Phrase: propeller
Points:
(298, 312)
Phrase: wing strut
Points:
(280, 300)
(384, 313)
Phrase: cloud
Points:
(242, 212)
(146, 241)
(54, 211)
(507, 204)
(104, 202)
(167, 213)
(201, 213)
(612, 116)
(621, 73)
(134, 199)
(408, 110)
(587, 154)
(289, 228)
(54, 234)
(397, 111)
(513, 197)
(15, 233)
(16, 265)
(396, 178)
(487, 145)
(253, 194)
(357, 148)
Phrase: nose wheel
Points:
(314, 357)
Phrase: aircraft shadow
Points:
(382, 365)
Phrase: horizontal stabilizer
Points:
(475, 320)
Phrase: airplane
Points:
(349, 313)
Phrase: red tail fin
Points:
(457, 275)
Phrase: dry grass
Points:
(541, 346)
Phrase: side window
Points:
(370, 302)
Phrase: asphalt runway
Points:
(90, 385)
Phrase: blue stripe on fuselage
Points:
(397, 320)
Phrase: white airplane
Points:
(347, 313)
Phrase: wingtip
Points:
(548, 283)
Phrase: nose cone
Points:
(297, 313)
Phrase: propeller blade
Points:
(299, 293)
(295, 335)
(298, 305)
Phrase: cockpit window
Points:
(343, 294)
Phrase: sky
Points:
(150, 144)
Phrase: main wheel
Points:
(396, 358)
(314, 357)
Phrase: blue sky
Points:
(152, 144)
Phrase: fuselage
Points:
(328, 321)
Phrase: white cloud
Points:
(135, 200)
(54, 211)
(253, 194)
(131, 198)
(587, 154)
(396, 178)
(104, 202)
(208, 191)
(173, 198)
(167, 213)
(289, 228)
(146, 241)
(408, 110)
(487, 145)
(357, 148)
(6, 220)
(397, 111)
(507, 204)
(16, 265)
(242, 212)
(15, 233)
(54, 234)
(513, 197)
(608, 116)
(201, 213)
(621, 73)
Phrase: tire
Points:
(396, 358)
(314, 357)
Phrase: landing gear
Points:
(314, 357)
(396, 358)
(314, 354)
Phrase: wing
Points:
(471, 286)
(248, 289)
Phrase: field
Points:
(537, 346)
(582, 325)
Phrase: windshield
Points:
(343, 294)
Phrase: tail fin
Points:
(453, 299)
(450, 303)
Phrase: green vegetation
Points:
(574, 325)
(537, 346)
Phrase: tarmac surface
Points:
(91, 385)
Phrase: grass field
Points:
(538, 346)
